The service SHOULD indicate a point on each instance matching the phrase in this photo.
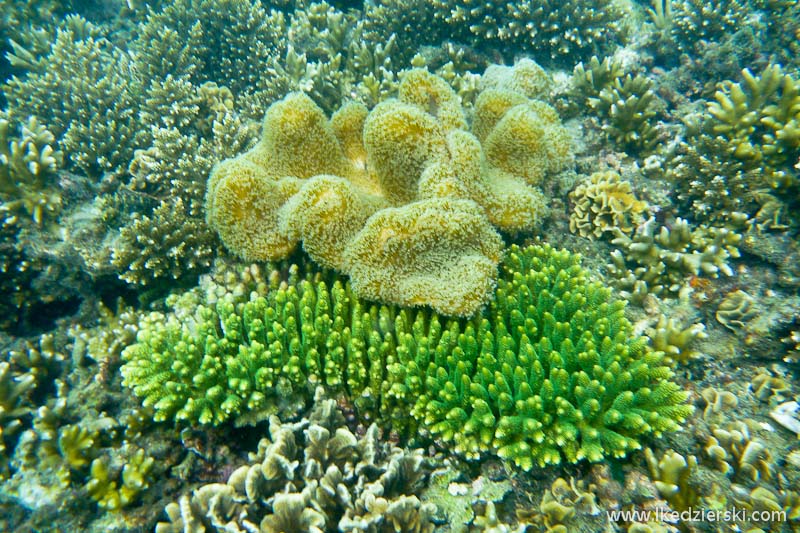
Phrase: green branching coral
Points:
(550, 31)
(559, 346)
(550, 372)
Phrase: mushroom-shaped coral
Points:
(455, 249)
(342, 185)
(529, 141)
(242, 205)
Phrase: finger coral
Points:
(28, 167)
(658, 259)
(551, 371)
(403, 198)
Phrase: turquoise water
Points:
(399, 266)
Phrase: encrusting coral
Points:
(550, 372)
(736, 309)
(350, 187)
(313, 475)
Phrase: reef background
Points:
(681, 194)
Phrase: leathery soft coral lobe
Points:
(341, 184)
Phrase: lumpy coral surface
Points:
(404, 199)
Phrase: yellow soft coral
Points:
(490, 106)
(326, 214)
(297, 140)
(404, 198)
(401, 140)
(455, 252)
(242, 204)
(434, 96)
(509, 203)
(529, 141)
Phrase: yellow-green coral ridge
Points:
(551, 371)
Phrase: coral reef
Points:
(28, 167)
(313, 475)
(659, 260)
(498, 384)
(536, 27)
(408, 212)
(148, 147)
(738, 162)
(758, 118)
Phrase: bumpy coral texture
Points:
(551, 371)
(404, 198)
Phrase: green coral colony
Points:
(399, 265)
(550, 371)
